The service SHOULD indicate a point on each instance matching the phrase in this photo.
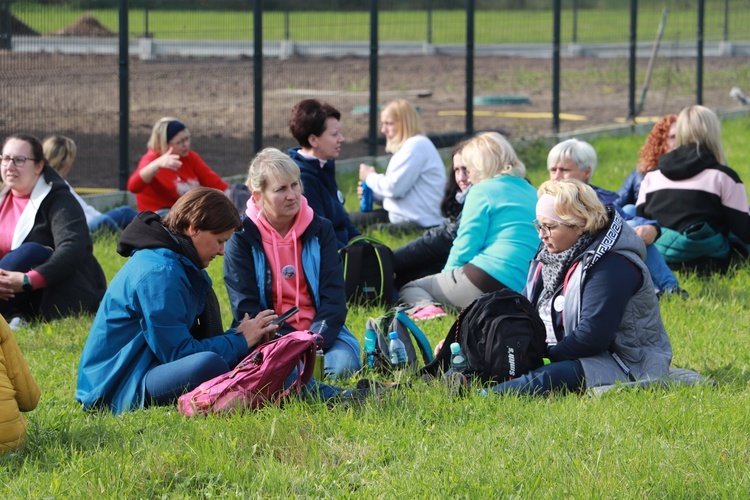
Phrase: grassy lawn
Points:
(448, 26)
(682, 442)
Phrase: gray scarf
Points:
(557, 264)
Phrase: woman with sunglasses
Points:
(169, 168)
(47, 264)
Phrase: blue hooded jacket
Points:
(144, 321)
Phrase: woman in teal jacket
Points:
(158, 332)
(496, 239)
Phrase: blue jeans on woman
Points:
(22, 259)
(165, 383)
(566, 375)
(662, 276)
(343, 358)
(114, 220)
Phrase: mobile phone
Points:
(285, 315)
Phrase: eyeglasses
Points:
(546, 229)
(182, 141)
(18, 161)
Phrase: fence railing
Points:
(103, 72)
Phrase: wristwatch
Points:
(27, 286)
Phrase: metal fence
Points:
(526, 68)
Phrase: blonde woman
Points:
(495, 239)
(411, 188)
(60, 152)
(594, 294)
(700, 203)
(170, 168)
(287, 256)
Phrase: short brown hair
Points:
(309, 118)
(203, 208)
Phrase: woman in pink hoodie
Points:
(286, 256)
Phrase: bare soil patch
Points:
(86, 25)
(79, 96)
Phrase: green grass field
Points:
(417, 442)
(448, 26)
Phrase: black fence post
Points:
(124, 77)
(286, 20)
(699, 62)
(556, 66)
(429, 22)
(470, 67)
(6, 27)
(726, 20)
(372, 133)
(632, 67)
(258, 75)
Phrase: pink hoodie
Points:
(289, 286)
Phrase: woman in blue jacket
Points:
(286, 256)
(158, 332)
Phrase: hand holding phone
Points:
(285, 315)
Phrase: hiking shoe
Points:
(365, 389)
(428, 312)
(368, 387)
(457, 384)
(674, 291)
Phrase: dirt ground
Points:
(79, 96)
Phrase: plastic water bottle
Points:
(458, 360)
(365, 203)
(371, 346)
(397, 350)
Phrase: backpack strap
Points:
(422, 342)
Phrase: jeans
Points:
(315, 389)
(24, 258)
(114, 220)
(661, 274)
(554, 376)
(167, 382)
(342, 359)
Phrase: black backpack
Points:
(501, 335)
(368, 272)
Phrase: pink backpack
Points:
(258, 379)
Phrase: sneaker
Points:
(365, 389)
(428, 312)
(674, 291)
(17, 322)
(457, 383)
